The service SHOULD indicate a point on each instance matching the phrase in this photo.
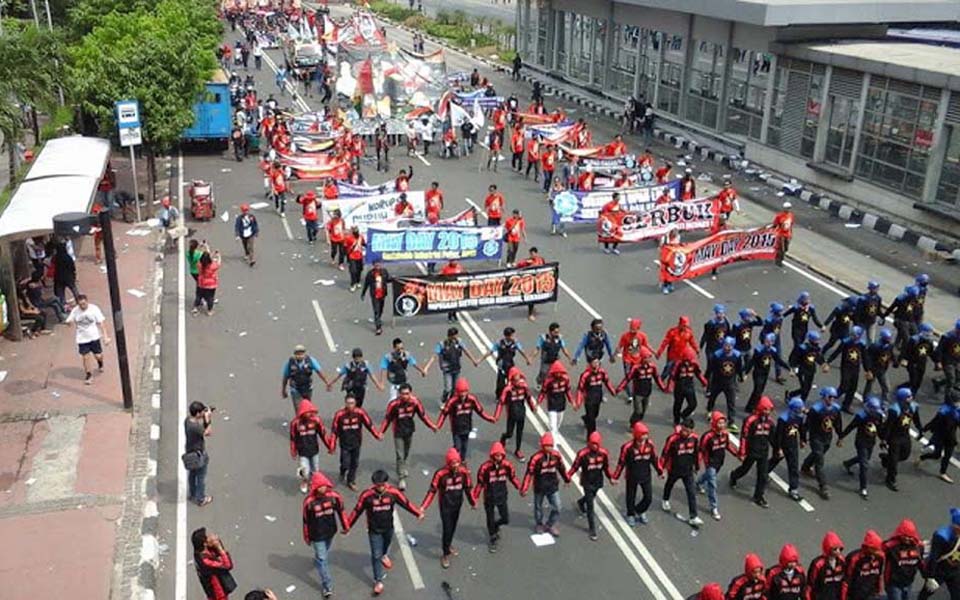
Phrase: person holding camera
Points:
(213, 564)
(195, 458)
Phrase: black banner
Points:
(471, 291)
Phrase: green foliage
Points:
(62, 117)
(416, 22)
(161, 57)
(455, 27)
(89, 14)
(394, 12)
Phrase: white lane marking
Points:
(324, 327)
(482, 342)
(776, 479)
(422, 159)
(286, 228)
(412, 568)
(292, 88)
(180, 585)
(690, 283)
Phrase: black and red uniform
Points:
(748, 585)
(786, 580)
(903, 553)
(826, 572)
(715, 444)
(307, 432)
(492, 479)
(681, 381)
(347, 426)
(515, 397)
(545, 470)
(593, 462)
(637, 457)
(680, 461)
(452, 483)
(864, 572)
(459, 409)
(321, 511)
(755, 449)
(590, 394)
(402, 413)
(640, 378)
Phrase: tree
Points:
(161, 57)
(30, 71)
(86, 15)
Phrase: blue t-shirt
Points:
(385, 361)
(314, 364)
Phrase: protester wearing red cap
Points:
(492, 479)
(592, 462)
(750, 585)
(246, 229)
(903, 553)
(637, 456)
(310, 214)
(711, 591)
(826, 572)
(786, 580)
(545, 470)
(452, 482)
(755, 449)
(321, 509)
(864, 573)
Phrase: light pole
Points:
(76, 224)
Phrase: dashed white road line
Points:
(413, 569)
(180, 581)
(422, 159)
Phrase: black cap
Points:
(380, 476)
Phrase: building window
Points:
(581, 53)
(898, 124)
(948, 189)
(671, 72)
(543, 25)
(598, 55)
(706, 79)
(623, 68)
(565, 22)
(747, 92)
(795, 112)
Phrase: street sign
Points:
(128, 114)
(131, 136)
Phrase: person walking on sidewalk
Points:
(213, 565)
(196, 428)
(246, 229)
(64, 273)
(209, 278)
(377, 503)
(517, 64)
(321, 509)
(90, 332)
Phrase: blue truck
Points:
(212, 111)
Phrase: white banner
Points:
(372, 210)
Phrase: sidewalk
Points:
(65, 446)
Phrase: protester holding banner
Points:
(534, 260)
(433, 200)
(611, 208)
(688, 186)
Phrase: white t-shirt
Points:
(87, 323)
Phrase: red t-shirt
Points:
(354, 244)
(434, 203)
(514, 228)
(309, 208)
(335, 230)
(449, 269)
(494, 205)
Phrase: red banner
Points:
(686, 261)
(658, 221)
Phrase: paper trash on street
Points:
(542, 539)
(136, 293)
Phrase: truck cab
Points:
(212, 112)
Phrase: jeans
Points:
(586, 504)
(401, 446)
(898, 593)
(449, 380)
(553, 498)
(321, 549)
(708, 480)
(688, 486)
(460, 441)
(379, 546)
(196, 482)
(349, 461)
(862, 460)
(309, 465)
(312, 228)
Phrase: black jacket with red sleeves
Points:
(680, 455)
(745, 587)
(714, 446)
(902, 563)
(545, 470)
(347, 426)
(452, 484)
(593, 465)
(864, 575)
(755, 441)
(378, 506)
(781, 586)
(825, 581)
(636, 459)
(492, 480)
(320, 514)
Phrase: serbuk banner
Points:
(433, 243)
(364, 211)
(470, 291)
(577, 207)
(687, 261)
(656, 222)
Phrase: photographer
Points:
(195, 458)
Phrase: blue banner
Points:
(578, 207)
(433, 243)
(486, 102)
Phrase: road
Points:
(233, 360)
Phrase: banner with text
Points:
(577, 207)
(656, 222)
(687, 261)
(471, 291)
(364, 211)
(433, 243)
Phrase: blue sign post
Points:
(131, 134)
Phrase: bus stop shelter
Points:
(63, 178)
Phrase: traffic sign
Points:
(128, 114)
(131, 136)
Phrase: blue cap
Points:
(719, 309)
(729, 341)
(813, 336)
(904, 394)
(857, 331)
(955, 516)
(745, 314)
(776, 307)
(770, 337)
(873, 285)
(804, 297)
(912, 290)
(926, 328)
(922, 279)
(874, 405)
(849, 301)
(795, 405)
(886, 335)
(829, 391)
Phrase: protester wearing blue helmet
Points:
(742, 331)
(715, 330)
(786, 445)
(868, 423)
(805, 358)
(876, 361)
(921, 282)
(946, 358)
(851, 350)
(942, 565)
(823, 419)
(803, 312)
(766, 355)
(916, 352)
(772, 324)
(943, 439)
(840, 320)
(904, 308)
(724, 368)
(901, 416)
(869, 308)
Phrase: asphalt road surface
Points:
(233, 360)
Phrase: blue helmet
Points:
(873, 285)
(719, 309)
(923, 280)
(729, 341)
(829, 392)
(955, 516)
(857, 331)
(926, 329)
(886, 335)
(776, 308)
(957, 325)
(795, 405)
(813, 336)
(874, 405)
(912, 290)
(904, 394)
(770, 337)
(745, 314)
(849, 301)
(804, 297)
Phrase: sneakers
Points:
(945, 478)
(631, 521)
(593, 536)
(304, 488)
(665, 505)
(327, 593)
(606, 250)
(520, 456)
(386, 562)
(353, 486)
(445, 562)
(715, 513)
(616, 251)
(795, 496)
(402, 484)
(642, 518)
(824, 493)
(378, 588)
(863, 493)
(554, 531)
(700, 489)
(695, 521)
(761, 502)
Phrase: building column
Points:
(592, 45)
(768, 99)
(687, 67)
(823, 125)
(938, 150)
(553, 28)
(725, 84)
(658, 71)
(609, 43)
(860, 115)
